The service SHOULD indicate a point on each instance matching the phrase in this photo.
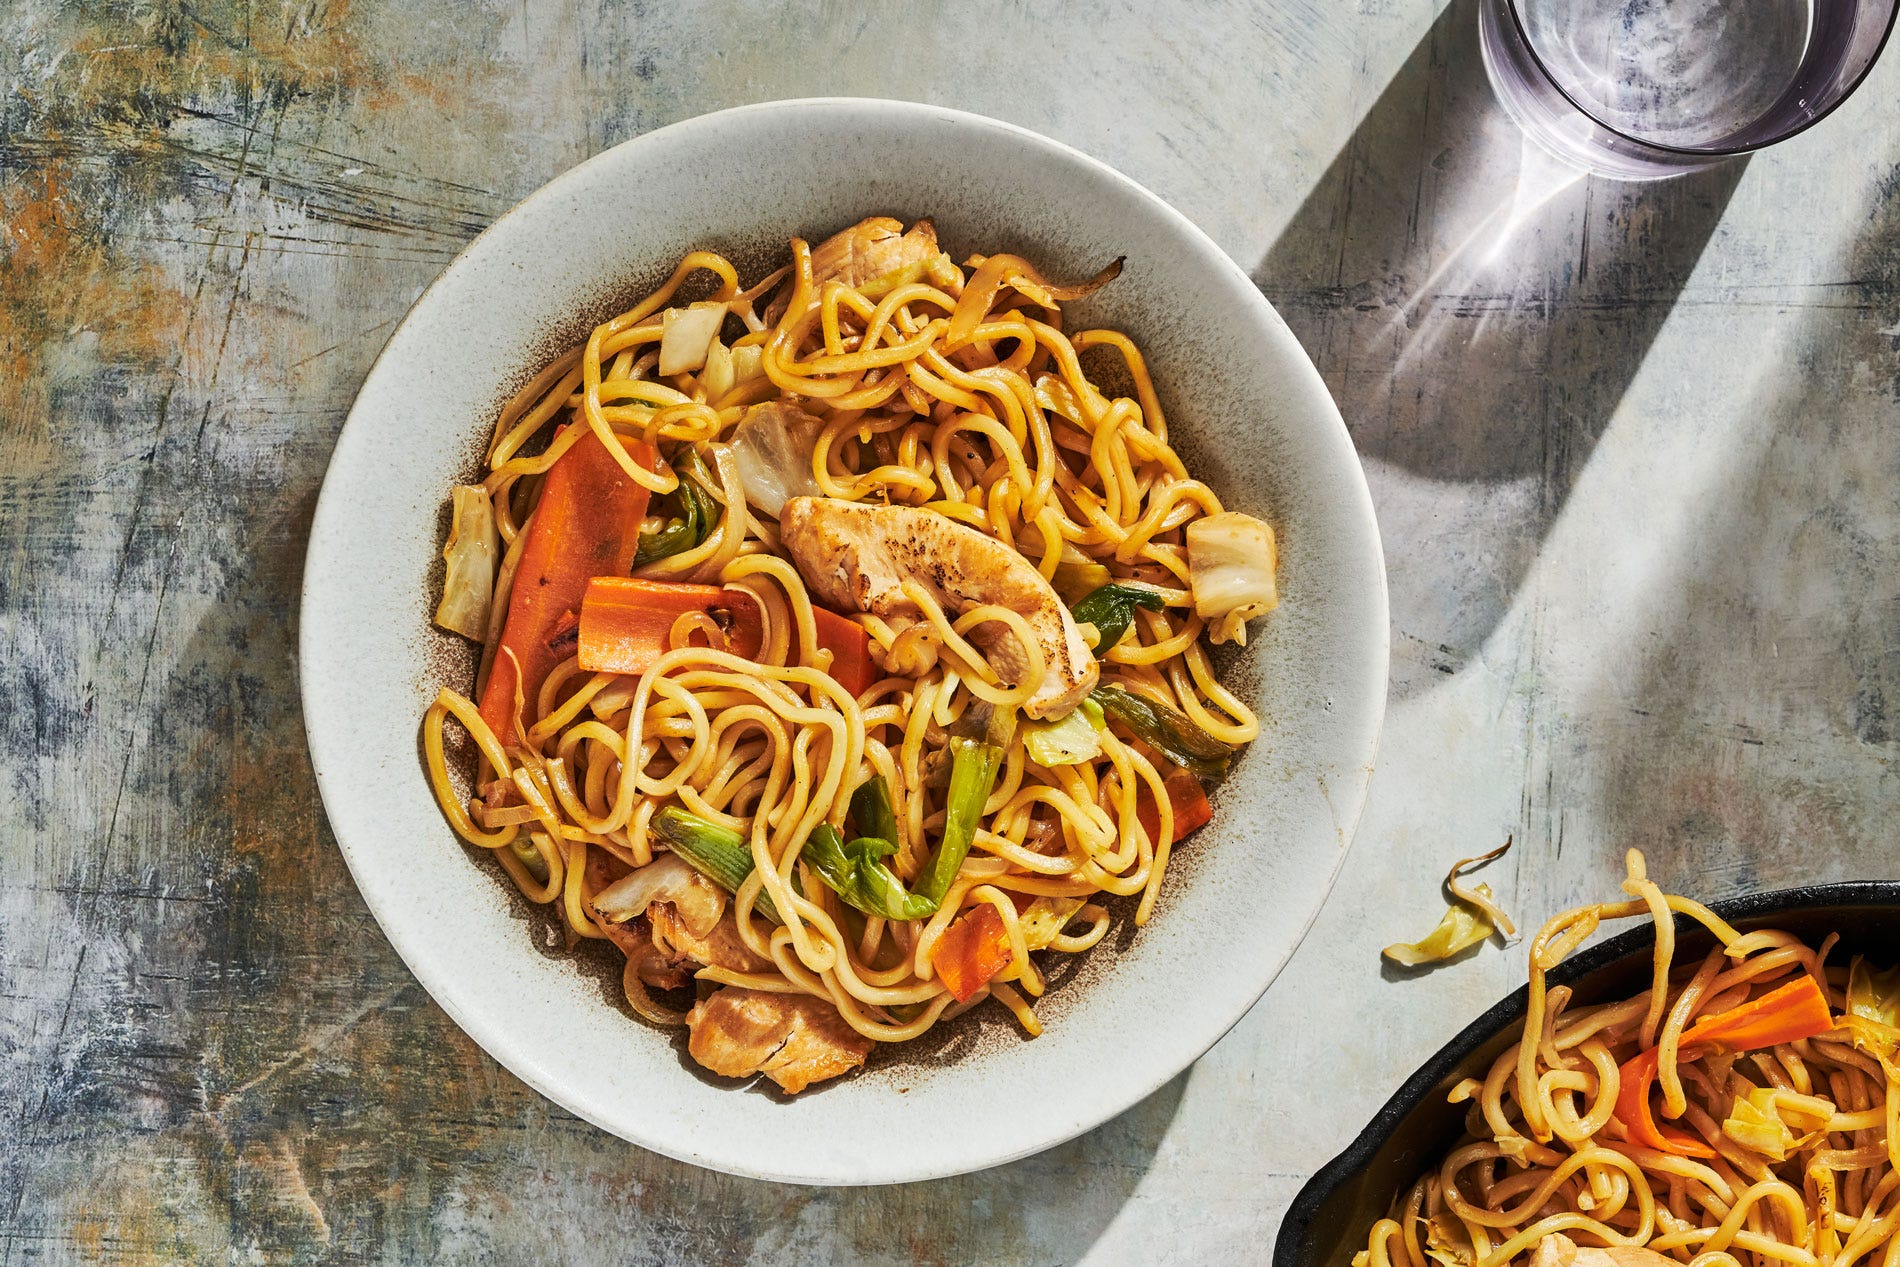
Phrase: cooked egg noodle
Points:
(1004, 431)
(1543, 1151)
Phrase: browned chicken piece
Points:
(793, 1039)
(718, 947)
(1558, 1250)
(602, 870)
(871, 248)
(667, 918)
(696, 906)
(857, 556)
(666, 952)
(652, 965)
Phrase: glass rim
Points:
(1707, 151)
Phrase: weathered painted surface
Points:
(1636, 452)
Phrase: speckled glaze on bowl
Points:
(1245, 406)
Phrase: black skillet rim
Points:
(1294, 1244)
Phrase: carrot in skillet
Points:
(586, 524)
(1788, 1014)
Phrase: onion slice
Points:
(998, 271)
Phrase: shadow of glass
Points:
(1478, 310)
(1748, 739)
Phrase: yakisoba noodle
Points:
(1745, 1109)
(871, 469)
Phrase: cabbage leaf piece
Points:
(773, 446)
(1074, 738)
(1231, 562)
(1462, 928)
(471, 552)
(687, 335)
(1776, 1123)
(1045, 919)
(1873, 1014)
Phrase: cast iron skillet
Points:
(1330, 1218)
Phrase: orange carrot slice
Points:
(850, 649)
(1788, 1014)
(627, 622)
(1185, 794)
(586, 524)
(971, 952)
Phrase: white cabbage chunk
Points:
(1777, 1123)
(687, 334)
(773, 446)
(1071, 740)
(727, 368)
(716, 379)
(667, 878)
(748, 363)
(470, 553)
(1231, 561)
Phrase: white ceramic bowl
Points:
(1246, 408)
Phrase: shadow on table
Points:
(1748, 740)
(1048, 1208)
(1478, 311)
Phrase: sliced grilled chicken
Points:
(857, 556)
(669, 919)
(793, 1039)
(871, 248)
(666, 952)
(1558, 1250)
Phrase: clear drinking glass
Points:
(1640, 89)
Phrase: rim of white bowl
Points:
(946, 1157)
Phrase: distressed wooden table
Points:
(1636, 452)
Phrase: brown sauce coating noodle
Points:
(1006, 433)
(1545, 1153)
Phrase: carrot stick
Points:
(850, 649)
(1185, 795)
(627, 622)
(1788, 1014)
(1637, 1078)
(586, 524)
(971, 952)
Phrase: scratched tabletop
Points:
(1635, 451)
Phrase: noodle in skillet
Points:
(1743, 1110)
(859, 553)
